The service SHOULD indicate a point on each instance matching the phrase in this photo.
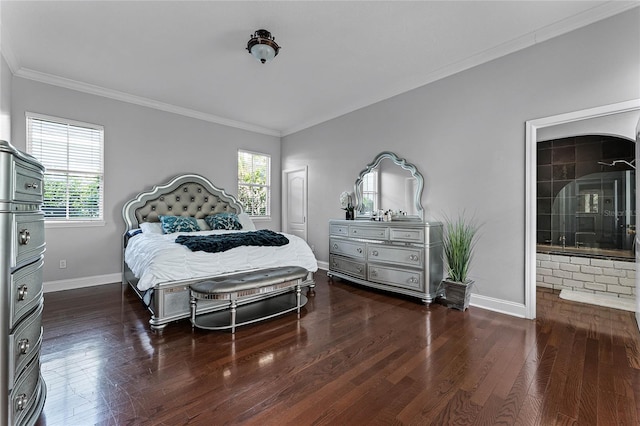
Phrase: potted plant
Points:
(458, 243)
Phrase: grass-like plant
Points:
(459, 241)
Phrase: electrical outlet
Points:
(63, 263)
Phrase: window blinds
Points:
(72, 153)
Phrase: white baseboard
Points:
(74, 283)
(498, 305)
(483, 302)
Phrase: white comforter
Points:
(157, 258)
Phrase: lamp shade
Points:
(262, 46)
(263, 52)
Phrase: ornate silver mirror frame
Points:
(417, 193)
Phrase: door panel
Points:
(294, 202)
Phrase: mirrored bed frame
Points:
(185, 195)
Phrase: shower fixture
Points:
(616, 162)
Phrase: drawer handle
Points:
(413, 280)
(374, 272)
(359, 250)
(23, 346)
(31, 185)
(355, 232)
(22, 292)
(407, 235)
(335, 247)
(25, 236)
(374, 252)
(21, 402)
(413, 257)
(359, 269)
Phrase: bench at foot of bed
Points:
(233, 287)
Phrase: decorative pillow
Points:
(246, 222)
(223, 221)
(171, 224)
(151, 227)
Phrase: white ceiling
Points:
(336, 57)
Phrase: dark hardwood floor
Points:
(355, 357)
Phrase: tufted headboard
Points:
(185, 195)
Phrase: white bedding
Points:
(156, 258)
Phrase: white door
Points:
(294, 202)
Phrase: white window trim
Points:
(74, 223)
(63, 223)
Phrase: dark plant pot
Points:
(349, 214)
(457, 294)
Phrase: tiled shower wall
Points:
(560, 163)
(597, 276)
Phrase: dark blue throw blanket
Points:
(224, 242)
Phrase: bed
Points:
(160, 270)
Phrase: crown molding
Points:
(138, 100)
(583, 19)
(588, 17)
(9, 57)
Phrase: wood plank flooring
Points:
(355, 357)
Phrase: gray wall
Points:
(5, 100)
(143, 147)
(466, 135)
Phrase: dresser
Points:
(22, 245)
(402, 257)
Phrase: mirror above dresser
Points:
(402, 254)
(389, 183)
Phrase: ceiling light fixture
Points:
(263, 46)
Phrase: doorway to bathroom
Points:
(586, 218)
(579, 211)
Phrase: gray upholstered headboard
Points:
(185, 195)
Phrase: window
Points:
(370, 192)
(72, 153)
(254, 183)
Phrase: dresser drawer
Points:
(24, 343)
(347, 266)
(26, 393)
(395, 255)
(347, 248)
(28, 184)
(410, 235)
(25, 291)
(375, 232)
(27, 237)
(396, 277)
(342, 230)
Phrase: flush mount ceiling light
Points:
(263, 46)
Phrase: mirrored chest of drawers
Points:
(402, 257)
(22, 245)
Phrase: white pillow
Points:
(204, 226)
(246, 222)
(151, 227)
